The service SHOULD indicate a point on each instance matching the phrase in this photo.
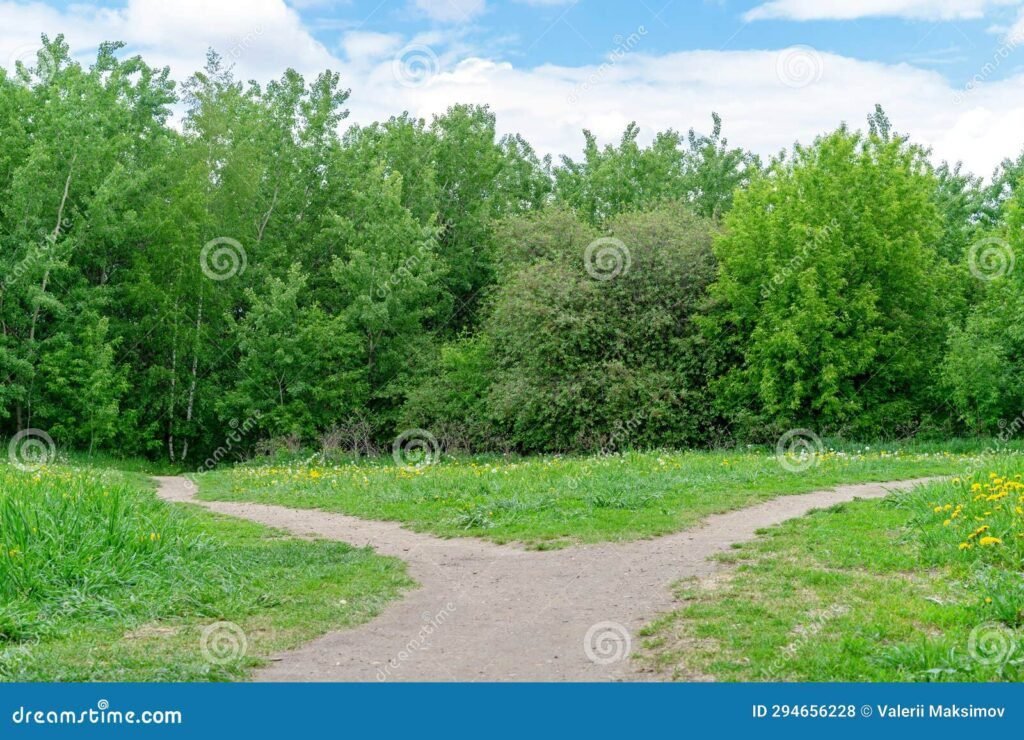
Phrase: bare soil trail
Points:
(487, 612)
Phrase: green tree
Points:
(701, 170)
(82, 384)
(388, 286)
(298, 368)
(982, 372)
(77, 136)
(831, 300)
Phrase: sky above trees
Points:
(947, 71)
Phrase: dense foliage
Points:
(252, 274)
(833, 296)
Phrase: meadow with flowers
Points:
(100, 581)
(554, 501)
(925, 585)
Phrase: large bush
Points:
(594, 344)
(831, 298)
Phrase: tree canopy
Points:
(262, 265)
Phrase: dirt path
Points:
(487, 612)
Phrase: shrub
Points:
(595, 351)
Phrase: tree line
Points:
(257, 265)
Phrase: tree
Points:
(982, 371)
(388, 286)
(831, 298)
(961, 202)
(628, 177)
(73, 138)
(82, 384)
(298, 369)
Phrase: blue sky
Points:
(574, 33)
(949, 72)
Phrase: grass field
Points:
(99, 580)
(921, 586)
(555, 501)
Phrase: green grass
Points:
(875, 590)
(101, 461)
(101, 581)
(555, 501)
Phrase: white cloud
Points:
(761, 111)
(806, 10)
(1014, 34)
(768, 99)
(261, 37)
(451, 11)
(364, 45)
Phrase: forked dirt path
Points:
(487, 612)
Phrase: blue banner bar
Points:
(509, 710)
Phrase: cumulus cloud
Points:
(766, 103)
(807, 10)
(363, 45)
(260, 36)
(768, 98)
